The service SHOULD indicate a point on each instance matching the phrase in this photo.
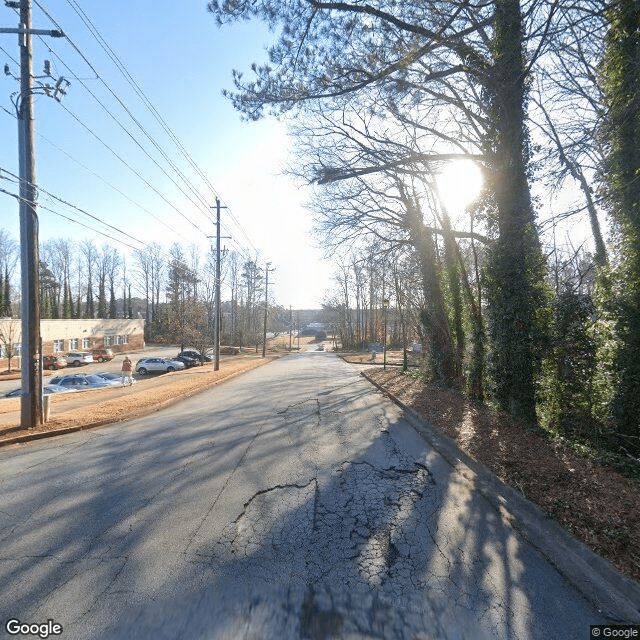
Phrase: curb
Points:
(613, 594)
(141, 413)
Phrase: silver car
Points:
(80, 382)
(46, 390)
(158, 365)
(114, 379)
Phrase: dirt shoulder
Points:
(76, 411)
(595, 503)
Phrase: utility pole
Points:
(31, 413)
(266, 305)
(290, 326)
(217, 323)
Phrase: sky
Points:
(91, 154)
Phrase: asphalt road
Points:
(290, 502)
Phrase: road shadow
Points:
(345, 523)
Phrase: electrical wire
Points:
(203, 203)
(123, 70)
(86, 226)
(158, 117)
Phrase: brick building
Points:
(62, 336)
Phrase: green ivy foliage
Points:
(620, 79)
(518, 317)
(571, 367)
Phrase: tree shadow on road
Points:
(363, 530)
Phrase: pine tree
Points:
(112, 302)
(7, 296)
(67, 311)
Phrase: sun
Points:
(459, 184)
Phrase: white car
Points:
(114, 379)
(158, 365)
(76, 358)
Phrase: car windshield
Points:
(94, 379)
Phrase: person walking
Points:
(126, 371)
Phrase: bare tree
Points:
(9, 332)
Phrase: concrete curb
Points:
(615, 595)
(141, 413)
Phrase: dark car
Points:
(190, 353)
(53, 362)
(188, 361)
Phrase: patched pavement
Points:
(293, 502)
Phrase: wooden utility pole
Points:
(266, 306)
(218, 319)
(31, 413)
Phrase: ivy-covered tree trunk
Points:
(621, 85)
(515, 273)
(444, 363)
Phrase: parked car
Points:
(53, 362)
(102, 355)
(158, 365)
(76, 358)
(115, 379)
(188, 361)
(192, 353)
(80, 381)
(46, 390)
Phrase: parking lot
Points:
(115, 365)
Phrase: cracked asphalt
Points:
(291, 502)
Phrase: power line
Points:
(121, 67)
(137, 173)
(203, 202)
(132, 82)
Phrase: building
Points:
(62, 336)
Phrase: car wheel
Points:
(52, 367)
(142, 371)
(100, 359)
(76, 363)
(170, 369)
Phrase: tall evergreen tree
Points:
(7, 295)
(113, 312)
(620, 73)
(67, 310)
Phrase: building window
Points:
(108, 341)
(86, 343)
(17, 348)
(73, 344)
(58, 346)
(125, 339)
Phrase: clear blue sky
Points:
(181, 61)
